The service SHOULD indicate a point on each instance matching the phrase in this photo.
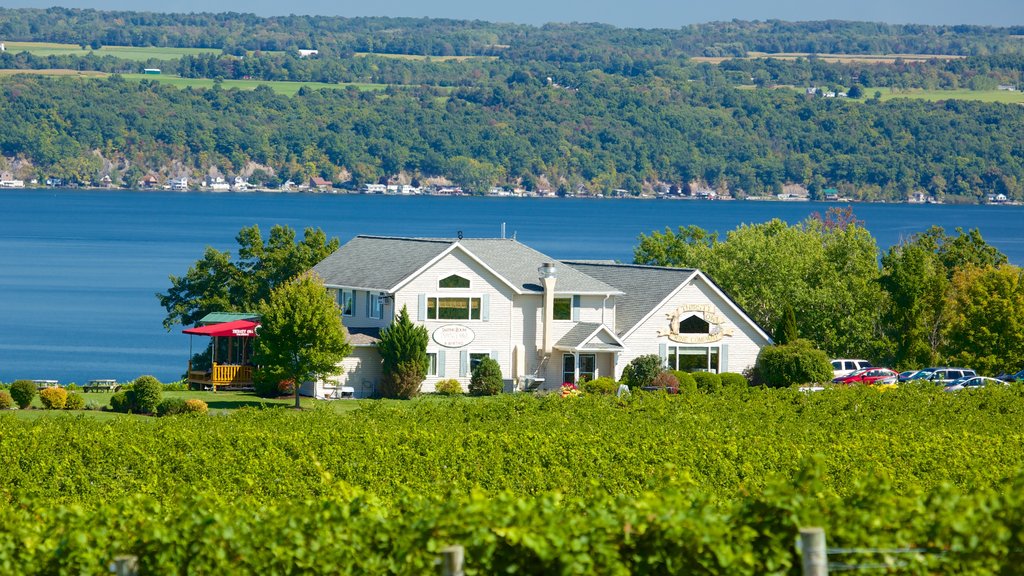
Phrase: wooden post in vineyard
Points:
(814, 558)
(452, 558)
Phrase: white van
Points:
(845, 366)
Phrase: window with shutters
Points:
(432, 364)
(455, 308)
(694, 358)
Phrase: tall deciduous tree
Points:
(986, 319)
(301, 337)
(403, 349)
(216, 283)
(825, 268)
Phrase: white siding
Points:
(744, 344)
(493, 335)
(361, 370)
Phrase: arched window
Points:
(454, 281)
(694, 325)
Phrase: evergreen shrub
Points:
(733, 380)
(707, 382)
(642, 370)
(145, 394)
(687, 385)
(796, 363)
(75, 401)
(170, 407)
(53, 397)
(603, 385)
(448, 387)
(486, 379)
(119, 402)
(23, 391)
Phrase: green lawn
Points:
(219, 402)
(1004, 96)
(140, 54)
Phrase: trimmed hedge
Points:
(75, 401)
(707, 382)
(603, 385)
(53, 397)
(793, 364)
(23, 391)
(448, 387)
(733, 380)
(486, 379)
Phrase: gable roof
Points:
(386, 263)
(645, 287)
(580, 337)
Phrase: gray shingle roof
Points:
(575, 337)
(644, 286)
(381, 262)
(363, 336)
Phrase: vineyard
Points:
(714, 484)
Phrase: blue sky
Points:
(625, 13)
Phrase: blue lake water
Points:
(79, 269)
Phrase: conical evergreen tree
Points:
(403, 349)
(786, 331)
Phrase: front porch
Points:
(222, 377)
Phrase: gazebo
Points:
(231, 362)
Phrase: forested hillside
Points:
(571, 108)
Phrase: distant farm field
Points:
(1003, 96)
(423, 58)
(281, 87)
(843, 58)
(137, 53)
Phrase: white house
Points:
(545, 321)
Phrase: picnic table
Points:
(101, 386)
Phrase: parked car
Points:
(945, 375)
(912, 375)
(1016, 376)
(846, 366)
(869, 376)
(971, 382)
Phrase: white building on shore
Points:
(545, 321)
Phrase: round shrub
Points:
(642, 370)
(195, 406)
(269, 385)
(667, 381)
(145, 394)
(733, 380)
(796, 363)
(448, 387)
(170, 407)
(687, 385)
(75, 401)
(119, 402)
(486, 379)
(707, 381)
(23, 391)
(603, 385)
(5, 400)
(53, 398)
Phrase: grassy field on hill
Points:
(1004, 96)
(137, 53)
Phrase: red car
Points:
(869, 376)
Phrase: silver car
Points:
(971, 383)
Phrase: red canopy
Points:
(237, 328)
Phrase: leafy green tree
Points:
(403, 350)
(642, 370)
(825, 268)
(216, 283)
(986, 319)
(301, 337)
(23, 391)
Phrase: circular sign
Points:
(453, 335)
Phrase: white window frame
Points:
(469, 300)
(576, 374)
(342, 293)
(375, 306)
(553, 308)
(431, 363)
(709, 353)
(486, 353)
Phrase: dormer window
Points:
(453, 281)
(694, 325)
